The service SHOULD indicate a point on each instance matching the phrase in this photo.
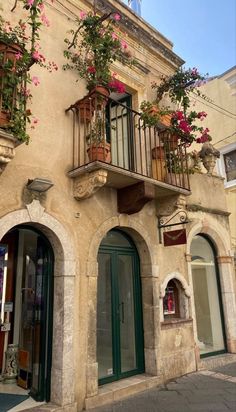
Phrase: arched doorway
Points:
(207, 298)
(119, 309)
(28, 307)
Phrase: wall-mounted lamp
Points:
(39, 185)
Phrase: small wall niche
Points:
(174, 300)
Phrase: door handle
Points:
(122, 312)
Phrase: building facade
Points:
(221, 119)
(102, 298)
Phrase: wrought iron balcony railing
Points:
(112, 133)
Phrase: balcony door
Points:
(120, 132)
(119, 310)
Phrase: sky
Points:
(203, 31)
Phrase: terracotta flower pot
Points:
(165, 119)
(99, 95)
(99, 152)
(169, 139)
(158, 152)
(4, 118)
(85, 110)
(10, 51)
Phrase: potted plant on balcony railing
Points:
(152, 115)
(94, 46)
(98, 147)
(19, 50)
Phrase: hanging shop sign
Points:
(175, 237)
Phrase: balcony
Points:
(110, 138)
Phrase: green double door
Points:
(119, 310)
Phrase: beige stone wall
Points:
(76, 228)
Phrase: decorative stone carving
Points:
(35, 210)
(89, 183)
(169, 204)
(209, 154)
(7, 149)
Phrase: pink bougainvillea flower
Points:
(185, 126)
(18, 56)
(116, 17)
(25, 92)
(41, 6)
(114, 36)
(201, 115)
(82, 15)
(30, 2)
(35, 121)
(91, 69)
(35, 80)
(45, 20)
(179, 115)
(117, 86)
(38, 56)
(124, 45)
(194, 71)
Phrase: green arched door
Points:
(119, 309)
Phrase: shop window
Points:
(171, 301)
(227, 164)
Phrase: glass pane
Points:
(119, 136)
(38, 314)
(104, 317)
(115, 238)
(230, 165)
(206, 298)
(126, 310)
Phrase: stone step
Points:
(118, 390)
(216, 361)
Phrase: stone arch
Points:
(64, 272)
(149, 281)
(184, 294)
(220, 238)
(216, 232)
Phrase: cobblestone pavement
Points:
(205, 391)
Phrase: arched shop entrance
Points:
(26, 294)
(211, 338)
(120, 350)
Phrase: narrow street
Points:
(205, 391)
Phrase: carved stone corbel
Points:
(170, 204)
(89, 183)
(7, 149)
